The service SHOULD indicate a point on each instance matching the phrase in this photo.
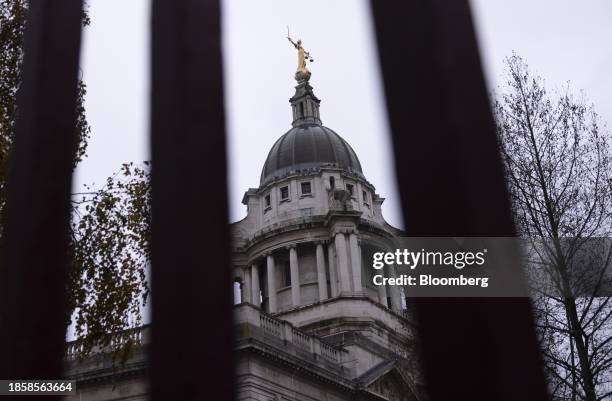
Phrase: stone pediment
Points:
(386, 381)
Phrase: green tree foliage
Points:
(107, 284)
(111, 237)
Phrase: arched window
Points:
(332, 182)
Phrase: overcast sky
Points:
(561, 40)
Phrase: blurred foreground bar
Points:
(451, 184)
(192, 316)
(35, 240)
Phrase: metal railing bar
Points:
(35, 239)
(451, 183)
(191, 284)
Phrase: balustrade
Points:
(269, 325)
(301, 339)
(245, 314)
(74, 349)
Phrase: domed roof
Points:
(309, 146)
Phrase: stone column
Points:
(246, 285)
(255, 290)
(356, 263)
(382, 292)
(271, 284)
(333, 274)
(343, 264)
(396, 302)
(321, 276)
(295, 276)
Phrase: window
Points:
(237, 293)
(350, 189)
(267, 202)
(284, 193)
(332, 182)
(306, 188)
(364, 194)
(287, 273)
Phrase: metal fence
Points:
(473, 349)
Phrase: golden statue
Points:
(303, 55)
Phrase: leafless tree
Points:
(557, 160)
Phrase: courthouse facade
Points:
(309, 324)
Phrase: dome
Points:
(309, 146)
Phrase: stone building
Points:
(310, 324)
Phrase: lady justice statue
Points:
(303, 56)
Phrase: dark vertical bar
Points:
(192, 317)
(35, 240)
(451, 184)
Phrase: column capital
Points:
(344, 230)
(290, 246)
(337, 231)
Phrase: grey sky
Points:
(561, 40)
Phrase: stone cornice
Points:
(314, 171)
(267, 350)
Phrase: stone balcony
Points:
(252, 323)
(246, 315)
(261, 342)
(252, 327)
(259, 331)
